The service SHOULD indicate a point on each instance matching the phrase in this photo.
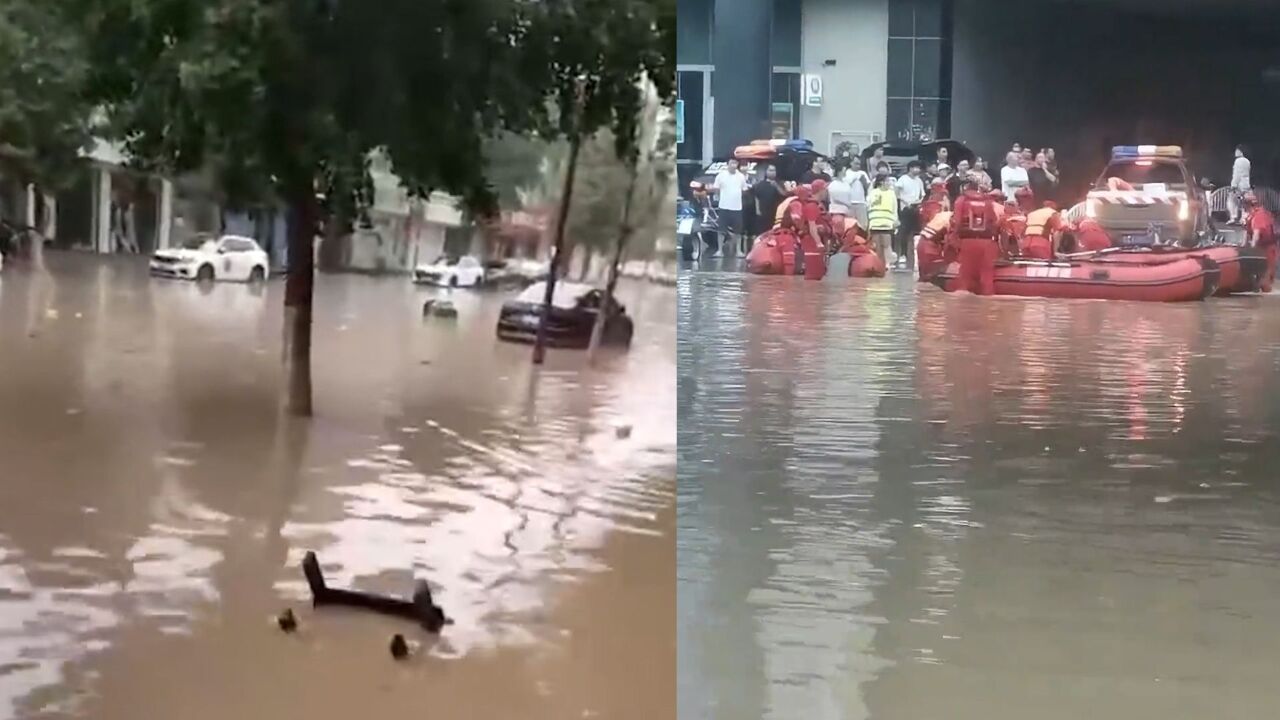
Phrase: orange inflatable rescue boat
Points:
(1175, 280)
(1241, 267)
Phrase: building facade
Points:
(881, 69)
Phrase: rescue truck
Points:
(1147, 195)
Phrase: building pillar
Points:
(164, 223)
(744, 74)
(29, 207)
(51, 216)
(102, 211)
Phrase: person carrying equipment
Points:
(1043, 231)
(1260, 231)
(975, 224)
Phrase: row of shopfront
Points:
(110, 208)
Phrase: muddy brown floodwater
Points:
(154, 506)
(898, 503)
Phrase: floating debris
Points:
(623, 431)
(399, 648)
(287, 621)
(421, 609)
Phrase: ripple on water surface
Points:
(894, 502)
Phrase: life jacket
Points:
(976, 218)
(936, 228)
(882, 210)
(780, 217)
(931, 207)
(1038, 222)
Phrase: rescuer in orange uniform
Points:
(1025, 199)
(1261, 233)
(814, 231)
(1013, 221)
(934, 245)
(975, 225)
(1040, 240)
(1090, 237)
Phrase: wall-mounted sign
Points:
(812, 89)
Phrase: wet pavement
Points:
(154, 505)
(898, 503)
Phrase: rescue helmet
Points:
(817, 186)
(803, 192)
(1022, 192)
(996, 194)
(1250, 198)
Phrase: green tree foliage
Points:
(44, 113)
(515, 165)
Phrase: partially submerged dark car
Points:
(574, 308)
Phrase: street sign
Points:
(679, 121)
(812, 90)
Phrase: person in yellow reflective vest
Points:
(882, 215)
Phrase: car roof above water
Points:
(567, 294)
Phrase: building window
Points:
(693, 31)
(691, 90)
(919, 81)
(785, 44)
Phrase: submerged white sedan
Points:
(230, 257)
(465, 271)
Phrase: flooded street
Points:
(154, 506)
(897, 503)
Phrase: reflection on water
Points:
(897, 503)
(154, 505)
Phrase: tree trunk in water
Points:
(624, 235)
(562, 218)
(297, 302)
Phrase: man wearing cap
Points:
(974, 223)
(1261, 233)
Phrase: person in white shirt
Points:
(1239, 185)
(1013, 176)
(839, 195)
(729, 186)
(859, 186)
(910, 188)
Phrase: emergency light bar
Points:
(1120, 152)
